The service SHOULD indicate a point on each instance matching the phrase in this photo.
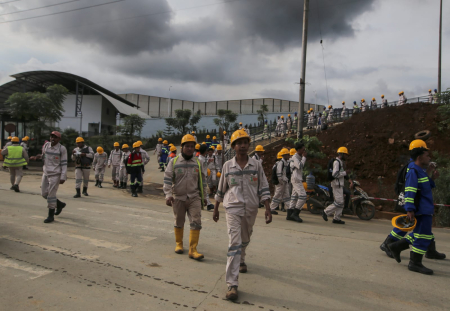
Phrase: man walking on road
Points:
(16, 157)
(54, 174)
(99, 166)
(123, 175)
(114, 159)
(242, 187)
(338, 174)
(185, 191)
(298, 196)
(83, 156)
(282, 188)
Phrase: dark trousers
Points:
(136, 179)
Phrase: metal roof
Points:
(39, 80)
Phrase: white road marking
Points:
(36, 272)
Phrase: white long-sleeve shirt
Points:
(338, 173)
(55, 160)
(297, 164)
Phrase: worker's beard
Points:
(186, 157)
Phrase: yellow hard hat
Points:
(309, 111)
(279, 156)
(403, 223)
(207, 136)
(363, 100)
(240, 123)
(239, 134)
(212, 147)
(165, 142)
(209, 172)
(292, 151)
(429, 90)
(282, 117)
(136, 144)
(218, 174)
(382, 96)
(173, 148)
(116, 144)
(342, 150)
(197, 146)
(224, 132)
(193, 132)
(79, 140)
(259, 148)
(26, 138)
(100, 150)
(125, 146)
(160, 139)
(343, 102)
(140, 143)
(418, 143)
(373, 98)
(203, 143)
(187, 138)
(289, 115)
(214, 137)
(219, 147)
(15, 139)
(284, 151)
(9, 137)
(171, 145)
(329, 107)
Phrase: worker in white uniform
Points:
(25, 146)
(242, 187)
(344, 109)
(282, 188)
(99, 166)
(259, 153)
(123, 175)
(158, 150)
(363, 105)
(338, 175)
(114, 159)
(374, 103)
(83, 156)
(203, 150)
(402, 98)
(298, 196)
(330, 114)
(384, 102)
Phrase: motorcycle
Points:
(320, 197)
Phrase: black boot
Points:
(397, 247)
(51, 213)
(274, 212)
(210, 207)
(59, 206)
(133, 191)
(16, 188)
(124, 185)
(78, 195)
(277, 208)
(295, 215)
(384, 248)
(339, 222)
(324, 215)
(85, 191)
(96, 183)
(99, 185)
(432, 253)
(415, 264)
(282, 208)
(289, 213)
(139, 189)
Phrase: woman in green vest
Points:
(15, 158)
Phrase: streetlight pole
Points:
(440, 49)
(301, 102)
(170, 103)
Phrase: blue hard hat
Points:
(435, 90)
(354, 102)
(265, 121)
(296, 112)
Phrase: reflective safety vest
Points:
(200, 180)
(14, 157)
(214, 144)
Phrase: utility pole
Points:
(301, 102)
(440, 49)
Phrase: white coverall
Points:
(99, 164)
(114, 160)
(25, 146)
(289, 124)
(241, 191)
(282, 189)
(257, 158)
(330, 115)
(384, 103)
(344, 109)
(82, 172)
(430, 98)
(158, 150)
(212, 165)
(278, 127)
(402, 100)
(145, 160)
(123, 176)
(16, 173)
(283, 127)
(338, 190)
(54, 170)
(374, 104)
(363, 106)
(202, 160)
(298, 196)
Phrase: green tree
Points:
(314, 150)
(184, 120)
(226, 119)
(440, 193)
(444, 110)
(132, 125)
(262, 113)
(41, 110)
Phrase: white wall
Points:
(91, 109)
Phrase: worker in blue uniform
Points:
(165, 150)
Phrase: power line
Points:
(56, 13)
(9, 2)
(323, 54)
(42, 7)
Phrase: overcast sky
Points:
(225, 49)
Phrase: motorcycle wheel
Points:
(365, 211)
(314, 206)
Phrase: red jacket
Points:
(134, 163)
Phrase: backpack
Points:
(401, 181)
(274, 177)
(330, 169)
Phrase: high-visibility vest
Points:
(14, 157)
(200, 180)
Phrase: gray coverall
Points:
(338, 190)
(282, 189)
(82, 172)
(298, 196)
(99, 164)
(55, 169)
(114, 160)
(123, 176)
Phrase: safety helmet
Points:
(435, 90)
(289, 115)
(373, 98)
(203, 143)
(329, 107)
(160, 139)
(212, 147)
(403, 223)
(224, 132)
(209, 172)
(116, 144)
(259, 148)
(295, 112)
(342, 150)
(239, 134)
(218, 174)
(363, 100)
(187, 138)
(165, 142)
(284, 151)
(292, 151)
(193, 132)
(173, 148)
(79, 140)
(207, 136)
(100, 150)
(197, 146)
(279, 156)
(429, 90)
(309, 111)
(9, 137)
(15, 139)
(135, 145)
(265, 120)
(125, 146)
(282, 117)
(240, 123)
(219, 147)
(214, 137)
(26, 138)
(343, 102)
(140, 143)
(382, 96)
(418, 143)
(354, 102)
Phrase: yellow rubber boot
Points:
(179, 240)
(193, 242)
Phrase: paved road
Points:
(111, 252)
